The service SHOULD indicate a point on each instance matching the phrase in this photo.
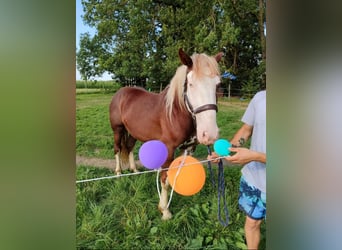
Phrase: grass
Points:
(122, 213)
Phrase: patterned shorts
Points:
(252, 201)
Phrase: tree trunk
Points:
(261, 21)
(261, 28)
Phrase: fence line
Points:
(157, 89)
(146, 171)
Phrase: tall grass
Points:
(122, 213)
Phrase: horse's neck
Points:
(182, 113)
(181, 120)
(164, 91)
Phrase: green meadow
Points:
(121, 213)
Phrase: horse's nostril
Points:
(205, 137)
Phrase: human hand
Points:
(241, 156)
(245, 155)
(213, 157)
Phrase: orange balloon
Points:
(191, 177)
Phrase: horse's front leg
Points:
(163, 208)
(117, 138)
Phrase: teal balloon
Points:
(221, 147)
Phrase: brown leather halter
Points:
(200, 109)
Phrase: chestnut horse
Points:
(187, 106)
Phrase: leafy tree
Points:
(244, 52)
(87, 57)
(138, 40)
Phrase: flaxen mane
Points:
(175, 91)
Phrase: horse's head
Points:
(200, 85)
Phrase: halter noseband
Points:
(200, 109)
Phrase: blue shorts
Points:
(252, 201)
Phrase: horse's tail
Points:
(124, 151)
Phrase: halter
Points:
(192, 142)
(198, 110)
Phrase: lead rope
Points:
(210, 169)
(220, 191)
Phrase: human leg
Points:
(252, 232)
(253, 202)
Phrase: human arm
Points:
(242, 135)
(245, 155)
(254, 114)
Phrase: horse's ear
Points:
(218, 56)
(185, 59)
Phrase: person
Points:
(252, 193)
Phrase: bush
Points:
(249, 89)
(111, 86)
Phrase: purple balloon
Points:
(153, 154)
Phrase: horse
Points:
(186, 107)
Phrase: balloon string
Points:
(175, 179)
(157, 181)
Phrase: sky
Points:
(82, 28)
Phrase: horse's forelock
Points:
(175, 91)
(204, 65)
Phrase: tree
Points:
(138, 40)
(262, 27)
(245, 55)
(87, 58)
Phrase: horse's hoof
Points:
(118, 173)
(166, 215)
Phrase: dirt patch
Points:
(98, 162)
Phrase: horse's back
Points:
(133, 103)
(132, 96)
(144, 116)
